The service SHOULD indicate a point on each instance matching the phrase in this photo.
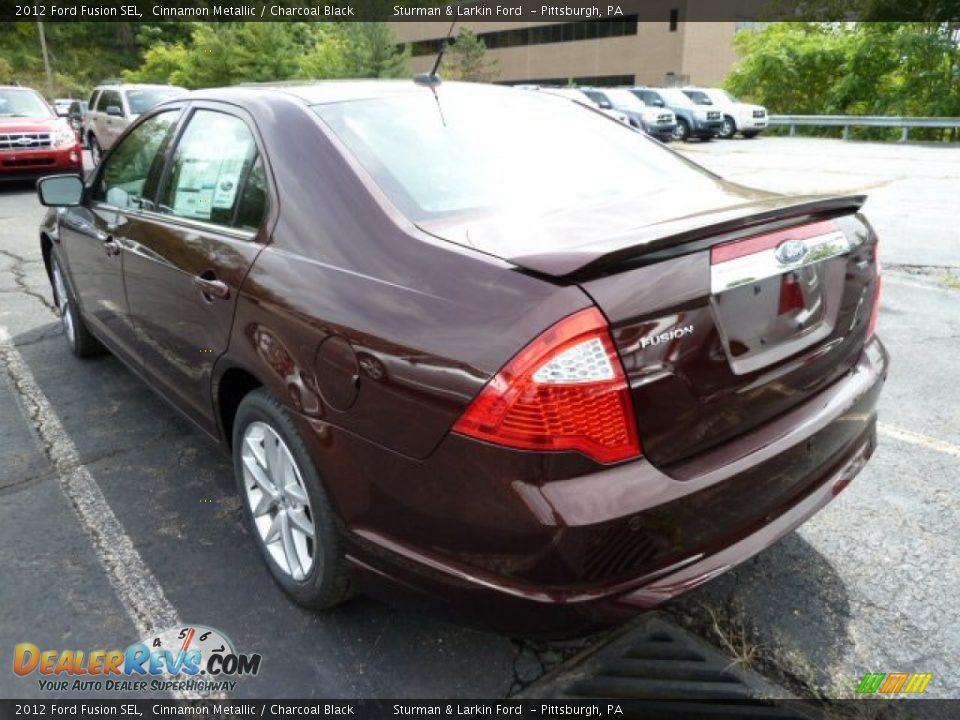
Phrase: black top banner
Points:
(481, 10)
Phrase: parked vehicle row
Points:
(672, 113)
(749, 120)
(455, 365)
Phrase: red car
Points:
(475, 345)
(33, 140)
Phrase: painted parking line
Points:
(135, 585)
(924, 441)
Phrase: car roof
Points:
(312, 92)
(133, 86)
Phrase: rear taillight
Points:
(566, 390)
(875, 310)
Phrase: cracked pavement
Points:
(870, 584)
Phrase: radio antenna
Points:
(433, 77)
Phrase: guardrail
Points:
(849, 121)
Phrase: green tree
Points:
(466, 59)
(867, 68)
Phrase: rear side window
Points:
(93, 100)
(213, 158)
(253, 198)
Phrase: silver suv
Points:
(113, 107)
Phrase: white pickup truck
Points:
(747, 119)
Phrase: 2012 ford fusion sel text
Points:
(469, 347)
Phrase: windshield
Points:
(698, 96)
(725, 94)
(626, 99)
(142, 100)
(22, 103)
(676, 97)
(491, 150)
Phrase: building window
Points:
(674, 18)
(594, 80)
(543, 34)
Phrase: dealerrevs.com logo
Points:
(191, 658)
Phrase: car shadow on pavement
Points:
(785, 613)
(174, 494)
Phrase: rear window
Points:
(479, 149)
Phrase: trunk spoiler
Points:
(683, 236)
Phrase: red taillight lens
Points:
(875, 310)
(564, 391)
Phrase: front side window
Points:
(651, 98)
(109, 98)
(124, 181)
(209, 165)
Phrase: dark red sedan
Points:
(477, 345)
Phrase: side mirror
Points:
(115, 111)
(60, 190)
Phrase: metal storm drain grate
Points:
(667, 673)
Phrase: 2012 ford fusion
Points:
(468, 346)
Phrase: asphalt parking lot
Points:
(869, 585)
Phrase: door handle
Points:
(212, 288)
(110, 246)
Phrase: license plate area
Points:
(776, 295)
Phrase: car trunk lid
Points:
(726, 318)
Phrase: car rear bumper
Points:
(29, 164)
(510, 546)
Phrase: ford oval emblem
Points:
(791, 251)
(25, 141)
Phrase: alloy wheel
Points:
(727, 130)
(63, 304)
(278, 501)
(681, 132)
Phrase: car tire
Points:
(728, 129)
(81, 341)
(750, 134)
(96, 152)
(681, 133)
(267, 446)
